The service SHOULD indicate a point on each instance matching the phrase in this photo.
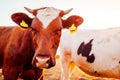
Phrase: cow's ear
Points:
(22, 19)
(74, 19)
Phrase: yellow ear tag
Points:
(24, 24)
(73, 29)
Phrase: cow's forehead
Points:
(47, 14)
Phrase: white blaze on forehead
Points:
(47, 15)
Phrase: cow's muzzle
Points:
(43, 61)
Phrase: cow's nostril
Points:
(51, 63)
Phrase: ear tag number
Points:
(73, 29)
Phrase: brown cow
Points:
(26, 52)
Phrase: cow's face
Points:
(46, 28)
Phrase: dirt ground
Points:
(54, 74)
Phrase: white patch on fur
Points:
(47, 15)
(42, 62)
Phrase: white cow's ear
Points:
(74, 19)
(22, 20)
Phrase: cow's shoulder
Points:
(4, 29)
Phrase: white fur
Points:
(47, 15)
(42, 62)
(105, 47)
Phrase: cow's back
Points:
(101, 57)
(5, 33)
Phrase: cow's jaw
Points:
(47, 15)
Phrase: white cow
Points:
(96, 52)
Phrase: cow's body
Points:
(96, 52)
(24, 53)
(10, 36)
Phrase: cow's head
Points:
(46, 26)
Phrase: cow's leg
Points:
(71, 67)
(65, 71)
(10, 73)
(65, 65)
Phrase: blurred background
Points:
(97, 14)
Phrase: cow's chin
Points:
(42, 65)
